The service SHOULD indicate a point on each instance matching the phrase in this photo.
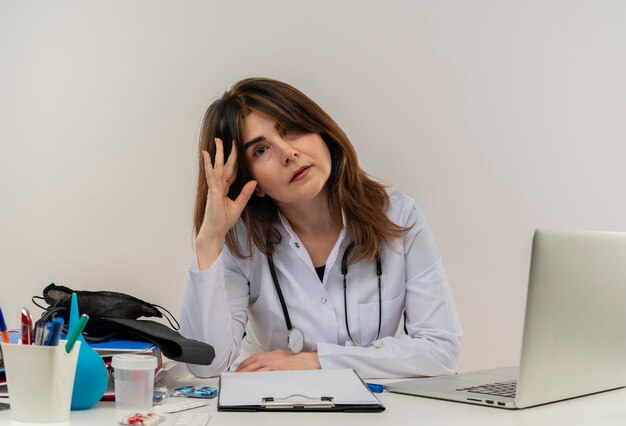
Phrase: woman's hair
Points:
(363, 200)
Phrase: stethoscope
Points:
(295, 337)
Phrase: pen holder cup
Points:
(40, 380)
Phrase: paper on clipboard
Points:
(343, 386)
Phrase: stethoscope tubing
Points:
(380, 307)
(295, 337)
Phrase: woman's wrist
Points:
(207, 251)
(309, 359)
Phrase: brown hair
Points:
(363, 200)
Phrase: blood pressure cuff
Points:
(114, 315)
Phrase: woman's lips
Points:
(302, 172)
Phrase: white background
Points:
(498, 117)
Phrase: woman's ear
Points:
(259, 192)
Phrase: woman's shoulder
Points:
(399, 198)
(402, 207)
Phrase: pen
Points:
(55, 332)
(75, 332)
(376, 388)
(3, 329)
(39, 333)
(27, 327)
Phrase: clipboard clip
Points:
(297, 401)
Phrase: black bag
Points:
(102, 304)
(114, 315)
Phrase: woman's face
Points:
(290, 167)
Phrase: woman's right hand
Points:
(220, 213)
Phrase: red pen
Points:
(26, 320)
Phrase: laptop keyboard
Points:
(506, 389)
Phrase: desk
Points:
(607, 408)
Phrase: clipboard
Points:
(296, 390)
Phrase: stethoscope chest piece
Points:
(295, 341)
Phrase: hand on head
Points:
(221, 213)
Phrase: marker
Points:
(3, 329)
(75, 332)
(376, 388)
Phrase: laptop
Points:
(574, 340)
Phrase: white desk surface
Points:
(607, 408)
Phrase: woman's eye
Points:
(285, 132)
(260, 151)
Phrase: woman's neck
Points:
(312, 219)
(316, 228)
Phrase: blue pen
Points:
(376, 388)
(55, 331)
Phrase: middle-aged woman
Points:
(302, 260)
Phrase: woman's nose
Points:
(289, 154)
